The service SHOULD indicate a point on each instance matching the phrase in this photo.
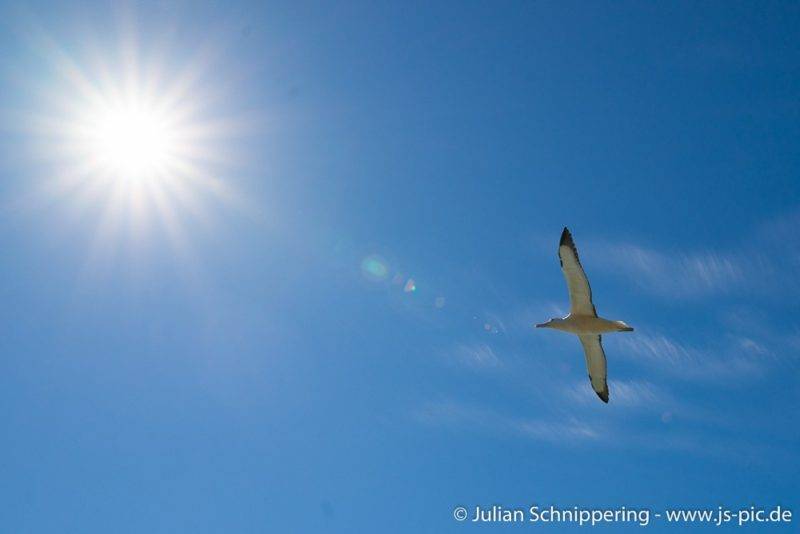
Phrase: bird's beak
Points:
(541, 325)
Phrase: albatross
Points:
(582, 319)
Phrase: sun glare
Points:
(132, 142)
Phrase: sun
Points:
(136, 144)
(123, 133)
(131, 141)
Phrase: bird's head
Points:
(550, 324)
(622, 326)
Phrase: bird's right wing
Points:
(596, 364)
(580, 294)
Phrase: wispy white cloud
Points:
(451, 413)
(733, 362)
(493, 323)
(576, 418)
(562, 431)
(479, 355)
(675, 274)
(793, 341)
(612, 429)
(634, 394)
(757, 333)
(767, 261)
(752, 346)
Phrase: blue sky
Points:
(246, 354)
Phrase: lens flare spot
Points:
(410, 286)
(374, 268)
(439, 302)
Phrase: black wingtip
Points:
(566, 241)
(603, 395)
(566, 237)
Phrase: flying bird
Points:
(582, 319)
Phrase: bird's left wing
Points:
(580, 294)
(596, 364)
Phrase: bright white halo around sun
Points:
(131, 140)
(139, 147)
